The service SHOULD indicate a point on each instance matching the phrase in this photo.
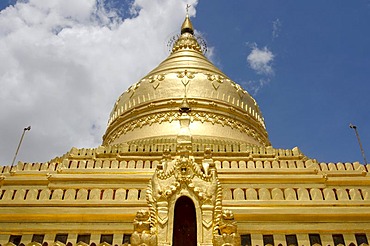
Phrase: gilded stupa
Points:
(185, 160)
(220, 108)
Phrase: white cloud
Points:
(255, 86)
(260, 60)
(64, 63)
(276, 27)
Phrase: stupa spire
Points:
(186, 40)
(187, 27)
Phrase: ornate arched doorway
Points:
(185, 227)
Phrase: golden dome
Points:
(218, 107)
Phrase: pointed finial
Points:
(187, 9)
(187, 26)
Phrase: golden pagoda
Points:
(185, 160)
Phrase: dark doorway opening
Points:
(184, 226)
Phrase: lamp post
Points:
(20, 142)
(359, 141)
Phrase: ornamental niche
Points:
(185, 205)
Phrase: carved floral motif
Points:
(228, 231)
(142, 235)
(195, 116)
(186, 41)
(156, 79)
(131, 90)
(241, 92)
(216, 80)
(186, 73)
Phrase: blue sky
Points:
(312, 81)
(321, 64)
